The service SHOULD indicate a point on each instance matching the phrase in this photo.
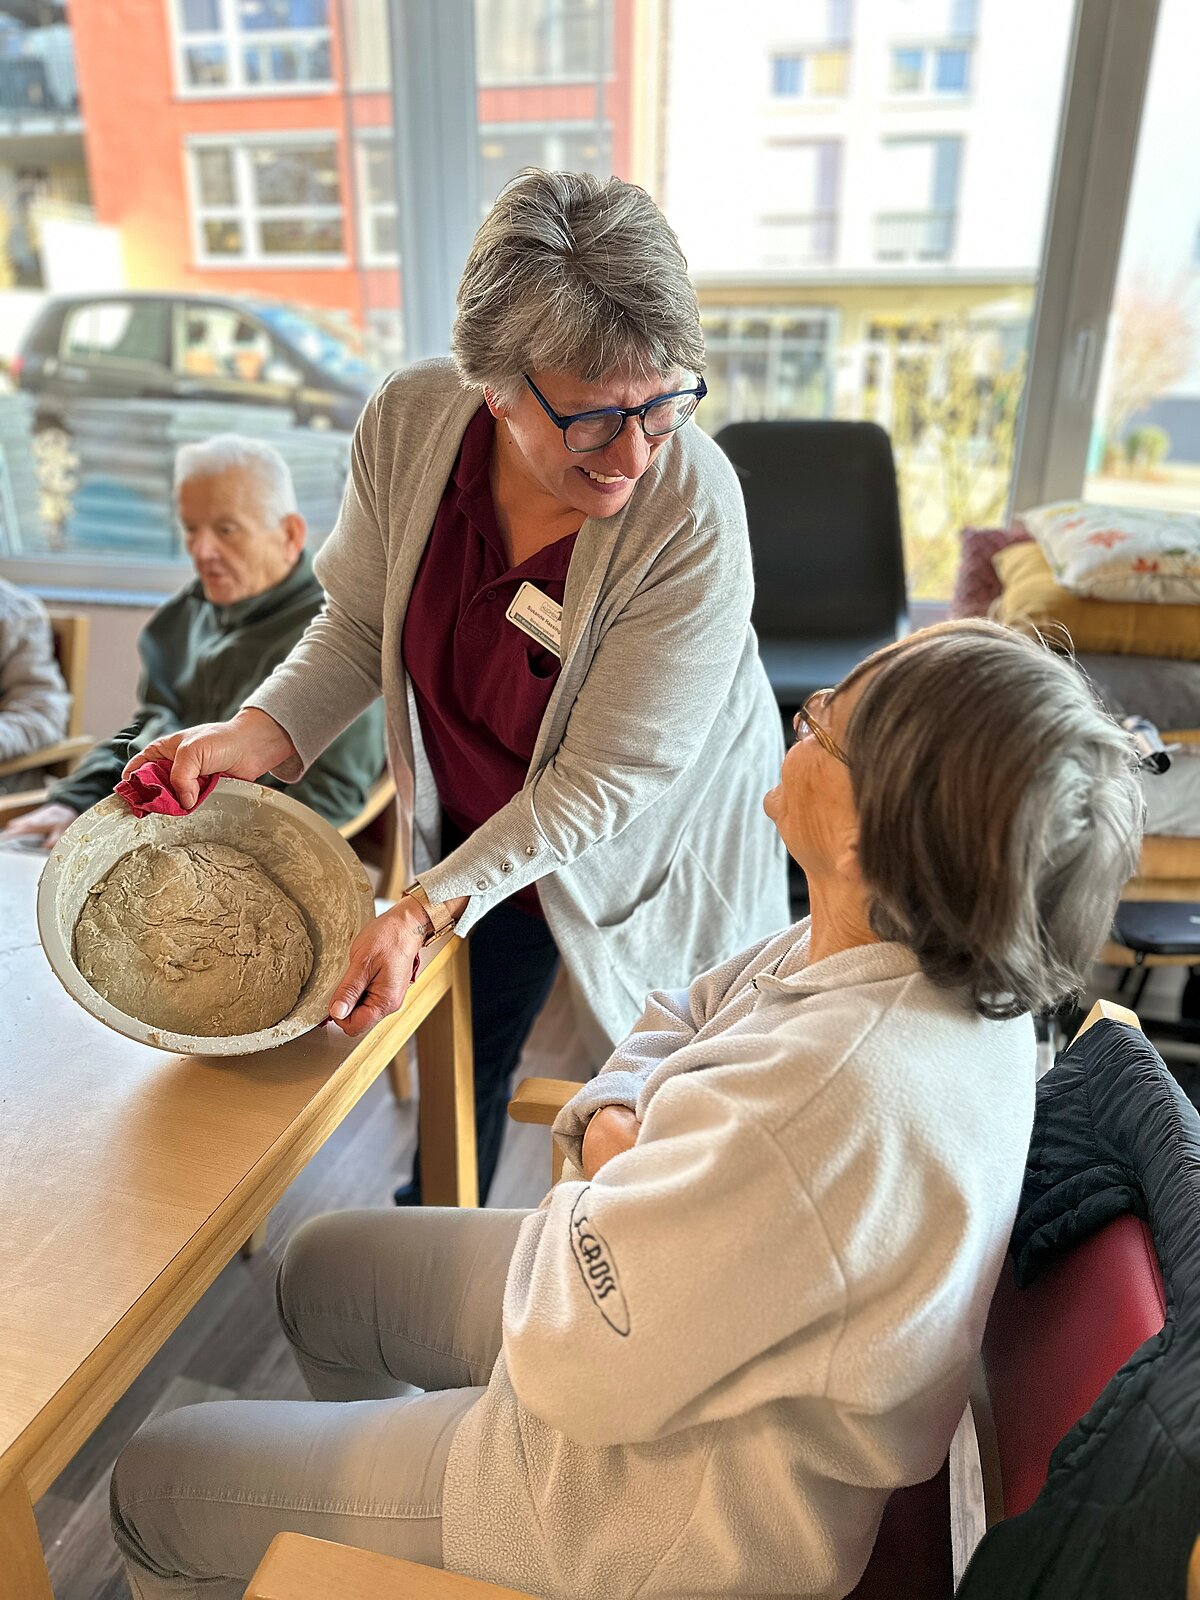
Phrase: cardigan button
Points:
(481, 883)
(531, 849)
(506, 866)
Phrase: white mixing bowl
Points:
(307, 858)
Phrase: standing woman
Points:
(547, 574)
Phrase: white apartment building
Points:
(847, 173)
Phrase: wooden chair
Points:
(70, 630)
(299, 1568)
(375, 834)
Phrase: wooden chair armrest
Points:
(1107, 1009)
(298, 1568)
(50, 755)
(17, 805)
(380, 795)
(541, 1099)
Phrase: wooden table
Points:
(129, 1178)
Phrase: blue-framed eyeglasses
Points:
(592, 430)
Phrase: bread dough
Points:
(195, 939)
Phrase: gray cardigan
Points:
(641, 816)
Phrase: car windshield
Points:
(320, 346)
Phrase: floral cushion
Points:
(976, 583)
(1120, 552)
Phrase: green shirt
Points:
(200, 661)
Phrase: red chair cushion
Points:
(1050, 1349)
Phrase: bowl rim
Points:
(61, 960)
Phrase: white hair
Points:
(232, 452)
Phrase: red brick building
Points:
(243, 146)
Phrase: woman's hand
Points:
(380, 968)
(246, 747)
(611, 1130)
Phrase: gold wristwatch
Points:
(440, 919)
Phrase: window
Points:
(934, 70)
(918, 182)
(380, 235)
(865, 243)
(274, 202)
(252, 46)
(120, 330)
(540, 41)
(504, 149)
(215, 342)
(768, 363)
(950, 71)
(801, 178)
(1144, 448)
(810, 74)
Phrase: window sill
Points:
(258, 91)
(271, 263)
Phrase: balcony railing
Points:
(799, 241)
(914, 235)
(32, 88)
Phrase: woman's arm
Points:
(671, 1019)
(699, 1242)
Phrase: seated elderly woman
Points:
(749, 1309)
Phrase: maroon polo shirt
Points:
(481, 684)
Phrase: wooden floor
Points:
(230, 1345)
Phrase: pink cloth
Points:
(148, 790)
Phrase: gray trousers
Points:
(378, 1306)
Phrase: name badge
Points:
(538, 616)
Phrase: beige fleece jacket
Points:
(722, 1353)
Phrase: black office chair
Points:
(824, 520)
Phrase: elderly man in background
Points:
(212, 644)
(34, 703)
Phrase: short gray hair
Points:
(233, 452)
(573, 273)
(1000, 812)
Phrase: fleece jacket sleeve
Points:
(672, 1019)
(698, 1242)
(34, 703)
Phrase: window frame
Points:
(246, 210)
(232, 38)
(805, 55)
(930, 51)
(560, 77)
(370, 210)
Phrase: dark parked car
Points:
(189, 347)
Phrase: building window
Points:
(767, 363)
(505, 148)
(548, 41)
(380, 242)
(931, 69)
(803, 178)
(810, 74)
(249, 47)
(273, 202)
(918, 186)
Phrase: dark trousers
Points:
(513, 961)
